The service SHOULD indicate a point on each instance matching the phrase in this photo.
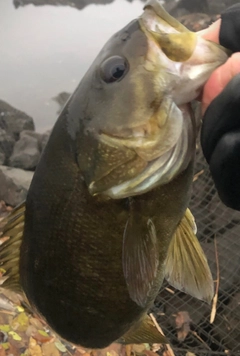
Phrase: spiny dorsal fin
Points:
(144, 332)
(12, 228)
(186, 266)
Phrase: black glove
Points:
(220, 135)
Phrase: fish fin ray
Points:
(186, 266)
(144, 332)
(12, 227)
(140, 259)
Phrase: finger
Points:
(219, 79)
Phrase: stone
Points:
(14, 121)
(34, 134)
(2, 158)
(26, 152)
(6, 145)
(79, 4)
(61, 99)
(14, 184)
(44, 139)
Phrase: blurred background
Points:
(46, 46)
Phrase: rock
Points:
(14, 121)
(209, 7)
(36, 135)
(44, 139)
(79, 4)
(197, 21)
(4, 211)
(6, 145)
(26, 152)
(14, 184)
(173, 6)
(61, 99)
(191, 6)
(2, 158)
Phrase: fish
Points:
(106, 217)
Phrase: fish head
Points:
(129, 115)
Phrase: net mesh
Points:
(218, 232)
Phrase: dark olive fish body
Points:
(71, 255)
(106, 215)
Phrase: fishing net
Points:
(187, 321)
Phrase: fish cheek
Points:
(119, 175)
(104, 166)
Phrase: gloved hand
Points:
(220, 135)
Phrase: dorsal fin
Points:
(12, 229)
(186, 266)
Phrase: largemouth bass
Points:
(106, 217)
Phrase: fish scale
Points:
(106, 218)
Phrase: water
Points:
(46, 50)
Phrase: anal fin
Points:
(11, 228)
(144, 332)
(186, 266)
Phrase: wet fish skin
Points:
(96, 308)
(114, 178)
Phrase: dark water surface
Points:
(46, 50)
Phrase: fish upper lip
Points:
(164, 18)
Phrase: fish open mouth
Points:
(173, 38)
(155, 17)
(127, 160)
(194, 56)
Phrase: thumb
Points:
(219, 79)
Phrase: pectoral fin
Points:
(12, 229)
(186, 266)
(140, 258)
(144, 332)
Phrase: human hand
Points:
(220, 136)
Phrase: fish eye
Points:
(114, 69)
